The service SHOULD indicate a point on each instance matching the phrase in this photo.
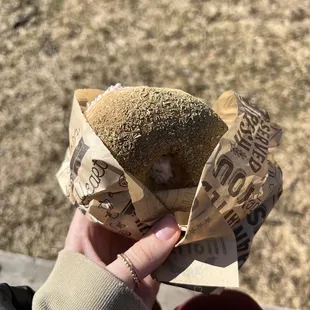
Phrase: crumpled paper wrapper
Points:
(239, 185)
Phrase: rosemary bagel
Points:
(162, 136)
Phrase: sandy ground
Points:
(48, 48)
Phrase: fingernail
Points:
(166, 228)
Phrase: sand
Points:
(48, 48)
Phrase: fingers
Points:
(81, 239)
(148, 291)
(148, 253)
(77, 231)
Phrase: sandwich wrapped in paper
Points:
(219, 210)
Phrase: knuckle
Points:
(143, 252)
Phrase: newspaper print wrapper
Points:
(239, 186)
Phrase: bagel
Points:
(161, 136)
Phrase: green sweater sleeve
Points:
(78, 283)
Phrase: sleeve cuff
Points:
(76, 282)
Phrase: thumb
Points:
(148, 253)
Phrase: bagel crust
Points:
(142, 125)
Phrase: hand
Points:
(102, 246)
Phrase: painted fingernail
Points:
(166, 228)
